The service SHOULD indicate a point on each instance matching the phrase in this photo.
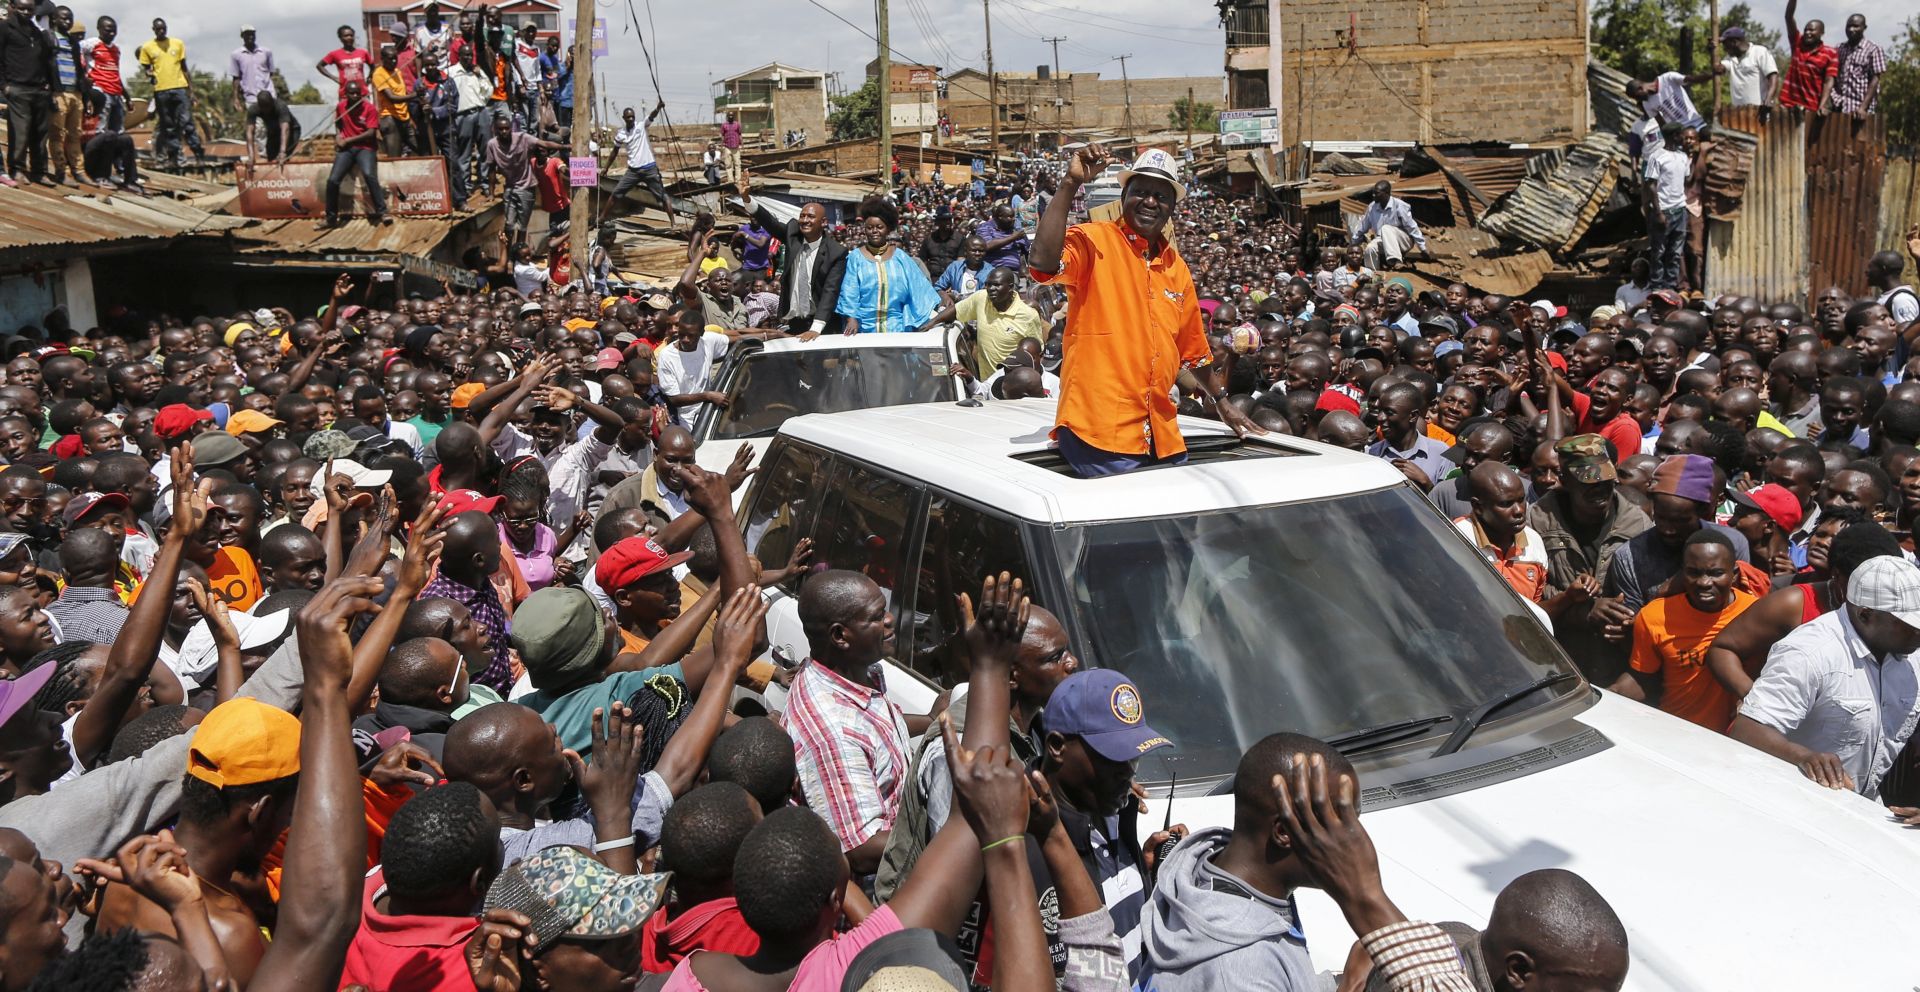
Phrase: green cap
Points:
(559, 632)
(1584, 458)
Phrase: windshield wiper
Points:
(1482, 711)
(1355, 741)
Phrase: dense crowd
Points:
(397, 646)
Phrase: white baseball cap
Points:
(362, 476)
(1156, 164)
(1889, 584)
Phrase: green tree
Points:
(856, 115)
(1900, 87)
(307, 93)
(1193, 116)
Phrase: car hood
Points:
(1729, 869)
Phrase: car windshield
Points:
(1321, 618)
(769, 387)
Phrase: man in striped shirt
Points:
(1811, 68)
(849, 740)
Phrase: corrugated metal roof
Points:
(1553, 210)
(1762, 251)
(1846, 161)
(406, 235)
(38, 216)
(1613, 110)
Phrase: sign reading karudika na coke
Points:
(414, 186)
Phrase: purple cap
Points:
(1685, 476)
(1101, 707)
(17, 694)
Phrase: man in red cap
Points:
(177, 422)
(637, 574)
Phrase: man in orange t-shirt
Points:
(1134, 331)
(1671, 636)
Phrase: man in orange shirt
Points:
(1671, 636)
(1133, 322)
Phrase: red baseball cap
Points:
(176, 419)
(1774, 500)
(633, 559)
(462, 500)
(1334, 399)
(83, 504)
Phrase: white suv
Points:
(1278, 584)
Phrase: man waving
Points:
(1133, 322)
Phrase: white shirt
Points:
(1901, 303)
(528, 277)
(634, 140)
(474, 89)
(1395, 214)
(1747, 75)
(1671, 104)
(1825, 691)
(404, 432)
(1668, 169)
(1629, 297)
(681, 372)
(439, 42)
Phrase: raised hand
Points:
(424, 543)
(738, 630)
(405, 763)
(498, 947)
(609, 782)
(993, 633)
(740, 470)
(705, 491)
(1086, 164)
(325, 650)
(219, 619)
(989, 786)
(1322, 818)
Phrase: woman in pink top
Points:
(532, 543)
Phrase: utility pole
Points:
(1126, 88)
(580, 213)
(1055, 42)
(1187, 123)
(883, 82)
(993, 89)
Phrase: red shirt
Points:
(353, 121)
(425, 953)
(550, 181)
(1622, 430)
(1807, 71)
(711, 926)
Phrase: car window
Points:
(768, 388)
(785, 504)
(963, 546)
(863, 526)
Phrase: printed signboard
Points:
(1250, 127)
(414, 186)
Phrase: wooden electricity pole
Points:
(883, 82)
(1126, 88)
(580, 213)
(993, 90)
(1057, 101)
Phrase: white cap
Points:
(1156, 164)
(1889, 584)
(198, 655)
(362, 476)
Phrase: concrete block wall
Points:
(1433, 70)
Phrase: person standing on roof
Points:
(164, 60)
(1133, 331)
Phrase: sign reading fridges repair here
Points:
(414, 186)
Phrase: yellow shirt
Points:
(996, 333)
(390, 93)
(709, 264)
(168, 60)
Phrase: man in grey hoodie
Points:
(1221, 914)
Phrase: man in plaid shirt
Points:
(1814, 63)
(1857, 87)
(849, 740)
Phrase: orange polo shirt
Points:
(1133, 323)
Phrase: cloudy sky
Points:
(709, 39)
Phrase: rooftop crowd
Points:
(396, 646)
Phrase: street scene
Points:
(547, 496)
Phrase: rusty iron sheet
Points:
(1846, 161)
(414, 187)
(1554, 210)
(1900, 208)
(1762, 252)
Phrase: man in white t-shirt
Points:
(642, 169)
(1883, 274)
(683, 368)
(1753, 77)
(526, 61)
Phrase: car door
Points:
(962, 544)
(780, 511)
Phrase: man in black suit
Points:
(811, 264)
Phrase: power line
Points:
(1121, 20)
(864, 33)
(1086, 20)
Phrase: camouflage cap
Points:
(1584, 458)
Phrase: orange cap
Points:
(465, 392)
(244, 741)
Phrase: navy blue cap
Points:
(1101, 707)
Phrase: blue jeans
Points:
(347, 161)
(174, 108)
(469, 136)
(1669, 237)
(1090, 462)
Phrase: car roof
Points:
(974, 453)
(837, 342)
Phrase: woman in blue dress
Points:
(884, 288)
